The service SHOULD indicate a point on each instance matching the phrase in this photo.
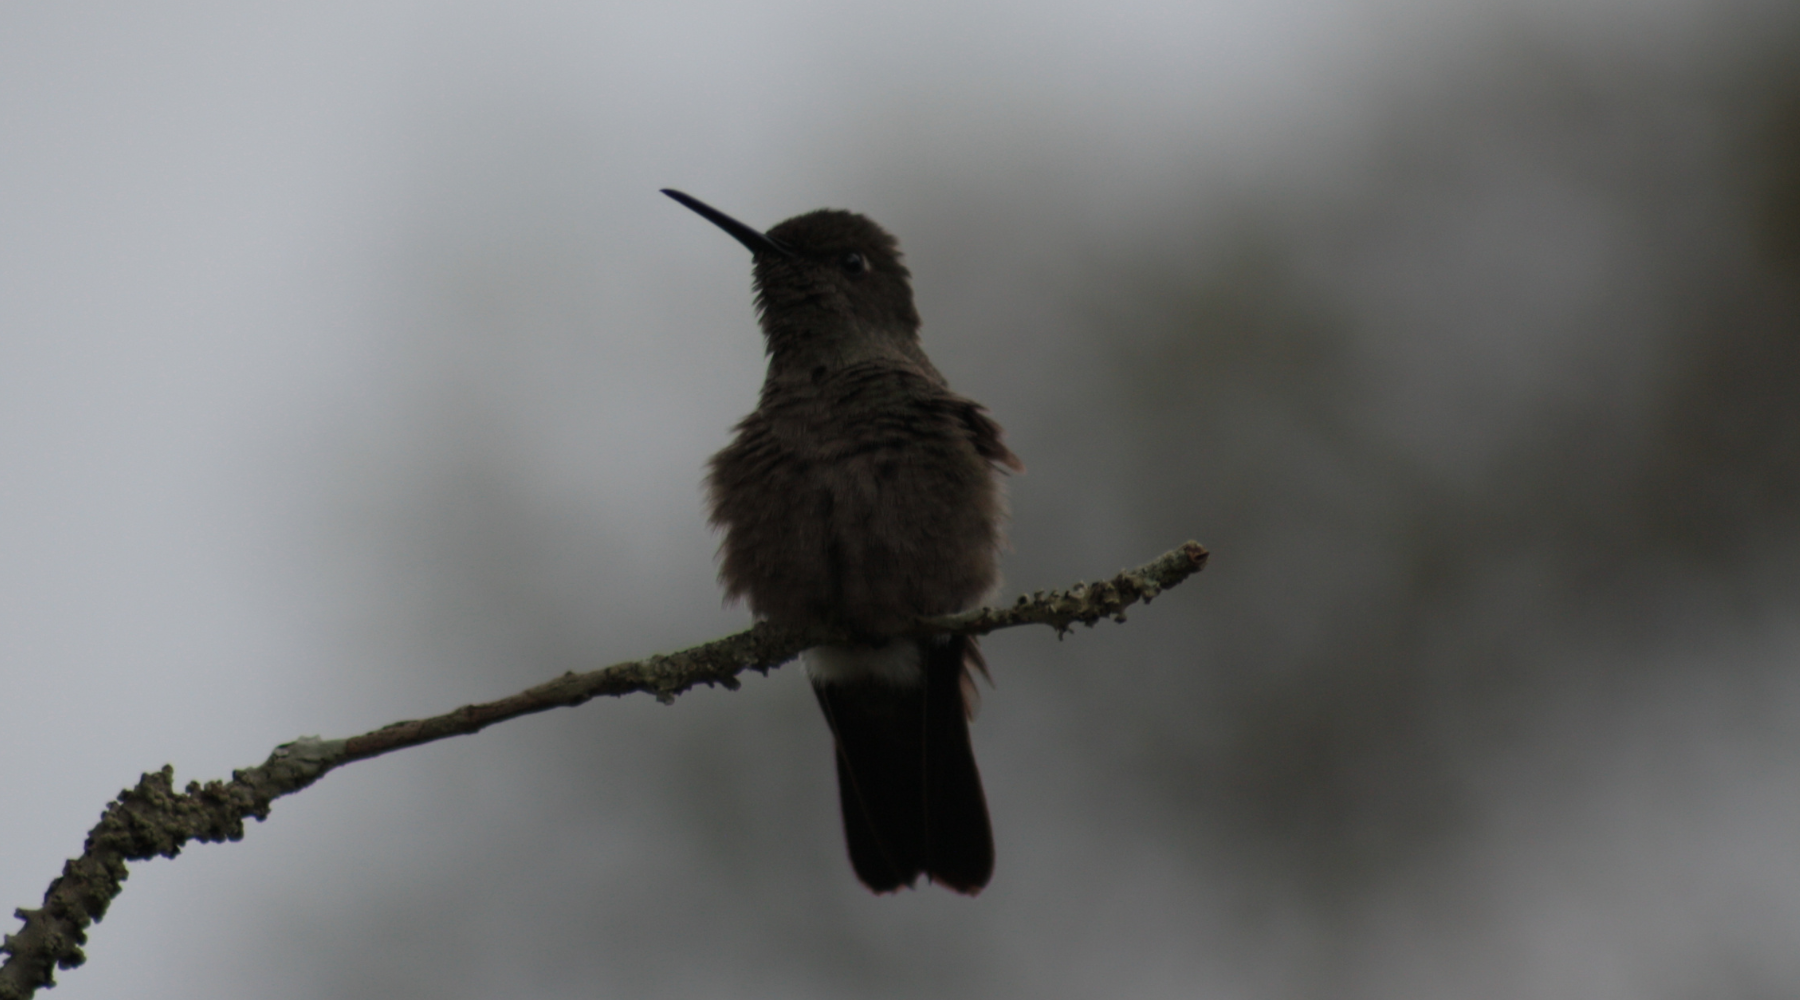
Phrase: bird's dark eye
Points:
(854, 263)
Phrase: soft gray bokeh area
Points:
(352, 369)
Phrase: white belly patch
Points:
(896, 663)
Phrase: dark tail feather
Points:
(907, 783)
(959, 844)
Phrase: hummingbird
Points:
(860, 495)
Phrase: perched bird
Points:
(859, 495)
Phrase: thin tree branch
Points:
(153, 820)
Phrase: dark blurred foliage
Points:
(1380, 613)
(1479, 427)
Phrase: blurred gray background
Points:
(351, 369)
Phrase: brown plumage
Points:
(861, 494)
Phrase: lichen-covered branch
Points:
(1086, 603)
(153, 820)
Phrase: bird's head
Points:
(828, 283)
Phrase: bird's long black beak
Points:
(759, 243)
